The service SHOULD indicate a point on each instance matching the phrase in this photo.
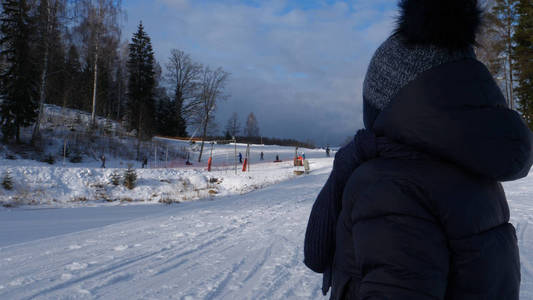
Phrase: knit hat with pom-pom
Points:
(429, 33)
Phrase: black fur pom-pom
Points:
(451, 24)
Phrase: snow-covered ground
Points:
(236, 247)
(37, 183)
(239, 247)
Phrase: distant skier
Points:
(327, 151)
(102, 158)
(145, 162)
(262, 156)
(240, 157)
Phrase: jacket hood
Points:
(457, 113)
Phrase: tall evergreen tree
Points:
(72, 96)
(503, 17)
(141, 84)
(177, 112)
(18, 86)
(523, 57)
(491, 44)
(166, 117)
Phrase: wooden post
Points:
(235, 156)
(64, 151)
(248, 156)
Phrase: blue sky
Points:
(298, 65)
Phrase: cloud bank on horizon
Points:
(298, 65)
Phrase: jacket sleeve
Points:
(319, 247)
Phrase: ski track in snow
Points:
(238, 247)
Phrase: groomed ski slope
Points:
(238, 247)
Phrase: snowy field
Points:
(86, 184)
(247, 246)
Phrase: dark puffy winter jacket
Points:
(423, 215)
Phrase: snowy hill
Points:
(78, 179)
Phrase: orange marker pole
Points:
(244, 164)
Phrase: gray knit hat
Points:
(428, 34)
(395, 64)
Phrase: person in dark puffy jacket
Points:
(414, 208)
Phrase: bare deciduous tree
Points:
(184, 76)
(497, 44)
(233, 127)
(99, 26)
(252, 127)
(210, 92)
(47, 23)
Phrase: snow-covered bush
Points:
(7, 181)
(130, 178)
(115, 179)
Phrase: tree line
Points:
(71, 53)
(506, 47)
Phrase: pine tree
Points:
(502, 18)
(115, 179)
(523, 57)
(491, 44)
(119, 90)
(104, 89)
(130, 178)
(18, 82)
(141, 84)
(228, 136)
(177, 111)
(7, 181)
(168, 123)
(57, 78)
(72, 97)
